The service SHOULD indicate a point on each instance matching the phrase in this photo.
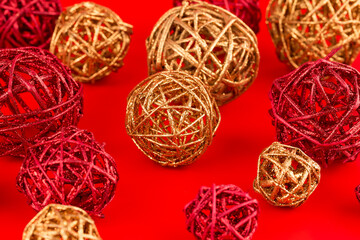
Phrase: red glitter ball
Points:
(69, 168)
(27, 22)
(222, 212)
(357, 192)
(38, 96)
(247, 10)
(316, 108)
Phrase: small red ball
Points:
(357, 192)
(38, 96)
(69, 168)
(27, 22)
(247, 10)
(222, 212)
(317, 109)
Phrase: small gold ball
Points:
(91, 40)
(286, 176)
(60, 222)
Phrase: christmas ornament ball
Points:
(208, 42)
(286, 176)
(317, 109)
(69, 168)
(38, 97)
(222, 212)
(92, 40)
(357, 192)
(60, 222)
(247, 10)
(27, 22)
(171, 118)
(307, 30)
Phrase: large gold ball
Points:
(90, 39)
(172, 118)
(307, 30)
(208, 42)
(60, 222)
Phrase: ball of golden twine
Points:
(92, 40)
(286, 176)
(172, 117)
(61, 222)
(208, 42)
(307, 30)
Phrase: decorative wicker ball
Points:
(357, 192)
(317, 109)
(222, 212)
(286, 176)
(59, 222)
(247, 10)
(171, 118)
(92, 40)
(69, 168)
(27, 22)
(308, 30)
(208, 42)
(38, 96)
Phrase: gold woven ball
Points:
(286, 176)
(209, 43)
(308, 30)
(90, 39)
(172, 117)
(61, 222)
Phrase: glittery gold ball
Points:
(172, 118)
(208, 42)
(286, 175)
(308, 30)
(61, 222)
(90, 39)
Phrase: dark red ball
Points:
(247, 10)
(317, 109)
(357, 192)
(27, 22)
(222, 212)
(38, 96)
(69, 168)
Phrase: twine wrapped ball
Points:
(208, 42)
(69, 168)
(222, 212)
(247, 10)
(171, 118)
(27, 22)
(92, 40)
(308, 30)
(316, 108)
(286, 176)
(59, 222)
(38, 96)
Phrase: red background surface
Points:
(149, 200)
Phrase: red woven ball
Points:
(357, 192)
(247, 10)
(27, 22)
(38, 96)
(69, 168)
(317, 109)
(222, 212)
